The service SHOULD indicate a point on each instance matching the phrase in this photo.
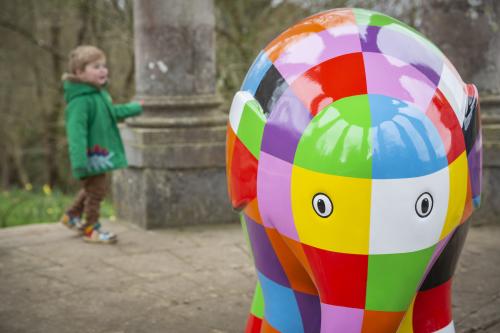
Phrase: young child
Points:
(95, 145)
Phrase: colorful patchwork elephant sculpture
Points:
(354, 159)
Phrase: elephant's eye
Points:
(424, 204)
(322, 205)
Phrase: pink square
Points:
(389, 76)
(273, 193)
(341, 319)
(316, 48)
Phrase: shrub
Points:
(42, 205)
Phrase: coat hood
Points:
(74, 89)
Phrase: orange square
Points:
(381, 321)
(297, 276)
(267, 328)
(311, 25)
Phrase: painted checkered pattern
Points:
(357, 106)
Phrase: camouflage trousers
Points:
(89, 198)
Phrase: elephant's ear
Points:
(471, 129)
(471, 126)
(244, 137)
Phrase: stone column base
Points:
(158, 198)
(177, 172)
(489, 212)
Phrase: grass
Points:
(43, 205)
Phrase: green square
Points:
(251, 127)
(258, 302)
(338, 140)
(368, 17)
(393, 279)
(245, 232)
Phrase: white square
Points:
(453, 88)
(450, 328)
(395, 225)
(237, 106)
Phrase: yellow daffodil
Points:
(46, 189)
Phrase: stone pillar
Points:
(176, 148)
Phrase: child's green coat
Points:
(94, 141)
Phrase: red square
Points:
(340, 277)
(432, 309)
(243, 184)
(450, 130)
(331, 80)
(254, 324)
(230, 137)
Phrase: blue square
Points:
(280, 307)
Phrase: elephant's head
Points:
(355, 139)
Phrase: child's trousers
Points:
(88, 200)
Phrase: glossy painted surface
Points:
(354, 156)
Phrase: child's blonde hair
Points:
(82, 56)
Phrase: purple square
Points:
(406, 47)
(273, 193)
(285, 126)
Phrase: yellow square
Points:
(347, 229)
(406, 325)
(458, 194)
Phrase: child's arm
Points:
(77, 133)
(123, 111)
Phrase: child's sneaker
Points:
(72, 222)
(94, 234)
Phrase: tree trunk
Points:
(53, 115)
(17, 156)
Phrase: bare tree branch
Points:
(30, 38)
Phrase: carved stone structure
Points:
(176, 149)
(490, 208)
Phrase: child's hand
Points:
(141, 102)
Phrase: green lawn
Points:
(44, 205)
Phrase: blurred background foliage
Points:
(38, 205)
(36, 38)
(38, 35)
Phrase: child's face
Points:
(95, 72)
